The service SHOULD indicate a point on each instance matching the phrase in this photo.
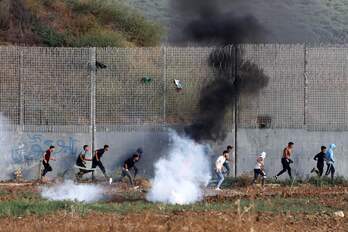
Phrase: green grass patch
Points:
(245, 180)
(25, 207)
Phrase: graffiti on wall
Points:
(31, 148)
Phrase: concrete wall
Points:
(27, 149)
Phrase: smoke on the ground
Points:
(182, 173)
(69, 190)
(7, 166)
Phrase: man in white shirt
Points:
(219, 163)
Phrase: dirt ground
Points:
(186, 220)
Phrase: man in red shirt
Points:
(46, 159)
(286, 161)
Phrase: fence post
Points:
(93, 69)
(164, 52)
(236, 106)
(21, 89)
(305, 79)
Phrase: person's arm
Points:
(96, 155)
(316, 156)
(52, 158)
(44, 157)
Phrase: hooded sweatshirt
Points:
(329, 154)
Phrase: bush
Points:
(108, 12)
(49, 36)
(100, 39)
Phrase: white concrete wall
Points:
(27, 149)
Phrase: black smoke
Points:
(207, 23)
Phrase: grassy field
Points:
(280, 206)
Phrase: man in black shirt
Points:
(140, 152)
(320, 158)
(96, 161)
(127, 165)
(46, 159)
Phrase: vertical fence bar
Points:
(236, 106)
(164, 52)
(93, 70)
(21, 90)
(305, 79)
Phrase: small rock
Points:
(339, 214)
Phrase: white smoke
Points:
(181, 176)
(7, 166)
(73, 192)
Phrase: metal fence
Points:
(43, 88)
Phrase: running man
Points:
(228, 159)
(219, 163)
(46, 157)
(259, 169)
(286, 161)
(320, 158)
(96, 160)
(330, 160)
(127, 165)
(81, 162)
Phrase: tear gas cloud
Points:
(181, 175)
(7, 165)
(68, 190)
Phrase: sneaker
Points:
(313, 170)
(135, 187)
(218, 189)
(110, 180)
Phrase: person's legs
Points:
(220, 179)
(320, 169)
(328, 169)
(284, 164)
(256, 175)
(332, 172)
(263, 175)
(129, 175)
(47, 168)
(227, 167)
(135, 171)
(289, 171)
(102, 168)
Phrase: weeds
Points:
(274, 205)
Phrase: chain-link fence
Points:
(77, 89)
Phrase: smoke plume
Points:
(7, 166)
(182, 173)
(73, 192)
(208, 23)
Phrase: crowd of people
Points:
(96, 161)
(222, 164)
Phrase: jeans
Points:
(286, 167)
(47, 168)
(128, 174)
(220, 178)
(227, 167)
(330, 169)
